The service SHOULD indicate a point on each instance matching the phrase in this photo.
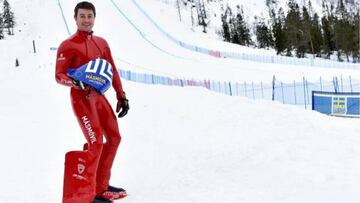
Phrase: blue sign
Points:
(338, 104)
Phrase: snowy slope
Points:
(179, 144)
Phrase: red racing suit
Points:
(87, 172)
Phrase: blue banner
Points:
(337, 104)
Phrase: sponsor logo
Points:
(95, 78)
(88, 127)
(79, 177)
(81, 160)
(81, 168)
(61, 57)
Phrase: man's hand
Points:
(78, 83)
(122, 107)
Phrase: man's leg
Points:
(111, 131)
(81, 166)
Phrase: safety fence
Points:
(251, 57)
(296, 93)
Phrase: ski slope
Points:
(179, 144)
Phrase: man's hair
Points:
(84, 5)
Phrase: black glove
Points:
(78, 84)
(123, 105)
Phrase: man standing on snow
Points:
(87, 173)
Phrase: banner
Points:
(345, 104)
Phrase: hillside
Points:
(304, 29)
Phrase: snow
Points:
(179, 144)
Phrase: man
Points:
(87, 173)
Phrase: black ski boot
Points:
(114, 193)
(101, 199)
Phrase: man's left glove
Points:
(122, 107)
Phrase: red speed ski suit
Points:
(87, 172)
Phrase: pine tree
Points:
(328, 31)
(226, 24)
(241, 31)
(201, 11)
(1, 27)
(316, 35)
(305, 42)
(263, 35)
(280, 37)
(233, 30)
(293, 29)
(192, 7)
(343, 31)
(312, 31)
(226, 28)
(356, 37)
(8, 17)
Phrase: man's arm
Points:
(122, 106)
(116, 82)
(64, 59)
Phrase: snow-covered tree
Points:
(8, 18)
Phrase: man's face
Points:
(85, 20)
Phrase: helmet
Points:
(96, 73)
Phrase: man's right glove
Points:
(78, 84)
(123, 105)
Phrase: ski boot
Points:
(114, 193)
(101, 199)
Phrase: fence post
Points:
(304, 92)
(307, 91)
(253, 90)
(320, 83)
(262, 90)
(336, 84)
(33, 42)
(351, 88)
(282, 93)
(237, 89)
(230, 89)
(295, 92)
(245, 89)
(273, 89)
(342, 85)
(17, 64)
